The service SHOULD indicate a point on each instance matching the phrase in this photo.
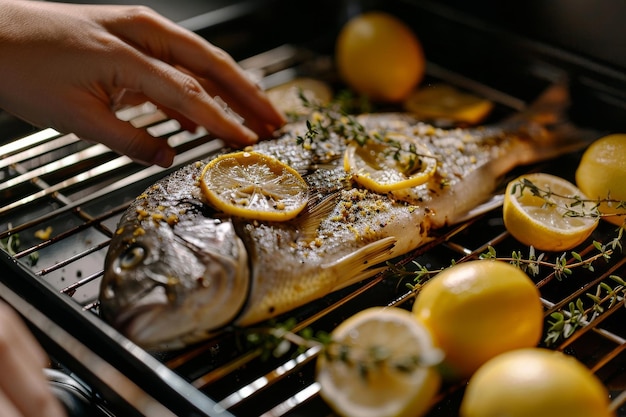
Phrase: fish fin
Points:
(362, 263)
(316, 211)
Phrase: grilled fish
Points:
(178, 271)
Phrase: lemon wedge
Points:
(254, 186)
(442, 101)
(380, 364)
(393, 164)
(552, 222)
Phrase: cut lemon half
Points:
(254, 186)
(380, 364)
(547, 212)
(442, 101)
(389, 165)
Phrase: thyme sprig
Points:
(561, 267)
(579, 206)
(565, 322)
(330, 119)
(277, 338)
(333, 119)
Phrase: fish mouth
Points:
(136, 323)
(151, 324)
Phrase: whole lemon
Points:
(478, 309)
(378, 55)
(535, 382)
(601, 174)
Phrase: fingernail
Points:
(251, 137)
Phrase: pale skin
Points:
(24, 390)
(70, 66)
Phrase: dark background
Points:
(594, 29)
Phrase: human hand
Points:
(67, 66)
(24, 390)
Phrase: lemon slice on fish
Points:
(442, 101)
(254, 186)
(390, 164)
(380, 363)
(547, 212)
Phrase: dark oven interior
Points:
(508, 54)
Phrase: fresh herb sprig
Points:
(578, 206)
(564, 323)
(277, 338)
(333, 119)
(330, 119)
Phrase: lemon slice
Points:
(380, 364)
(383, 167)
(543, 221)
(254, 186)
(442, 101)
(286, 97)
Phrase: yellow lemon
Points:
(391, 164)
(546, 212)
(254, 186)
(477, 310)
(379, 364)
(442, 101)
(286, 97)
(378, 55)
(601, 174)
(535, 382)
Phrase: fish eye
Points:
(132, 257)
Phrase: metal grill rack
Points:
(74, 193)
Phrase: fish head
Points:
(167, 287)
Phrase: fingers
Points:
(99, 124)
(24, 390)
(179, 47)
(167, 86)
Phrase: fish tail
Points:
(546, 122)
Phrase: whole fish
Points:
(178, 271)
